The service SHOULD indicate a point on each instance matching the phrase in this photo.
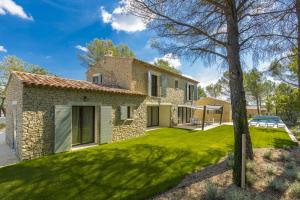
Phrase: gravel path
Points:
(7, 157)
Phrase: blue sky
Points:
(47, 32)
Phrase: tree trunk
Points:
(298, 42)
(238, 100)
(257, 106)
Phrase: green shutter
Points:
(63, 128)
(164, 84)
(195, 92)
(123, 112)
(185, 90)
(105, 124)
(149, 83)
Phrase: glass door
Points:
(152, 116)
(83, 125)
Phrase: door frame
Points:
(151, 111)
(80, 119)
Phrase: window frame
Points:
(154, 87)
(99, 78)
(176, 84)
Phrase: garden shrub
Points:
(212, 191)
(277, 184)
(270, 169)
(250, 179)
(267, 155)
(236, 193)
(285, 157)
(250, 166)
(295, 190)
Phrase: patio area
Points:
(198, 127)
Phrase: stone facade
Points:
(132, 74)
(14, 106)
(36, 104)
(36, 125)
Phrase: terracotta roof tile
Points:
(57, 82)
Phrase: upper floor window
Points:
(97, 78)
(176, 84)
(154, 86)
(191, 92)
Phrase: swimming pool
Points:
(269, 121)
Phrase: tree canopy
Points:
(97, 49)
(166, 65)
(214, 90)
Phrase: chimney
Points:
(109, 53)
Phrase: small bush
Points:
(285, 157)
(262, 197)
(267, 155)
(270, 169)
(286, 147)
(250, 179)
(279, 185)
(235, 193)
(250, 166)
(211, 191)
(295, 190)
(290, 165)
(230, 160)
(298, 160)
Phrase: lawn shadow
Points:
(135, 172)
(279, 143)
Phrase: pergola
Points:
(208, 107)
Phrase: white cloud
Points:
(2, 49)
(209, 75)
(173, 60)
(81, 48)
(10, 7)
(121, 20)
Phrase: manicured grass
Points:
(133, 169)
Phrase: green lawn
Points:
(133, 169)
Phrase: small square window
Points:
(129, 112)
(97, 79)
(176, 84)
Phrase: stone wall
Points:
(114, 71)
(14, 91)
(38, 116)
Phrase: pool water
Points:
(267, 119)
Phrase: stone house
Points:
(119, 100)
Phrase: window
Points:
(191, 92)
(97, 79)
(129, 112)
(126, 112)
(176, 84)
(154, 85)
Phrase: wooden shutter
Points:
(149, 83)
(164, 82)
(123, 112)
(105, 124)
(195, 92)
(63, 128)
(186, 90)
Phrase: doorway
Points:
(83, 125)
(152, 116)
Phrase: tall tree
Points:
(166, 65)
(13, 63)
(201, 92)
(254, 86)
(97, 49)
(213, 30)
(214, 90)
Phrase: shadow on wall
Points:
(103, 172)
